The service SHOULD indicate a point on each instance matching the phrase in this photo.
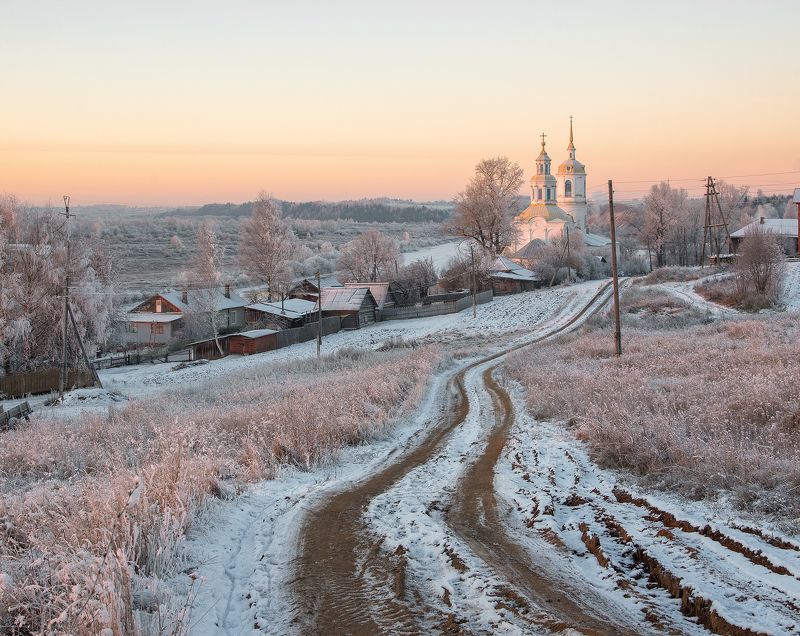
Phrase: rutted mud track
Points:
(346, 584)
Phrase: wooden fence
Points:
(435, 309)
(113, 360)
(42, 381)
(329, 324)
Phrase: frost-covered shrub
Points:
(83, 547)
(710, 408)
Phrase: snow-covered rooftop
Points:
(343, 298)
(291, 307)
(256, 333)
(781, 227)
(379, 291)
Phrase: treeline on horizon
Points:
(367, 211)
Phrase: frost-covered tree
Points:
(266, 245)
(484, 211)
(204, 279)
(33, 265)
(662, 206)
(371, 257)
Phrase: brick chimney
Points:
(227, 290)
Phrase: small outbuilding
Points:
(356, 306)
(255, 341)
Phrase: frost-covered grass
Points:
(83, 550)
(708, 409)
(675, 273)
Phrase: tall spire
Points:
(571, 147)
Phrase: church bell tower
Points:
(571, 180)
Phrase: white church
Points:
(557, 202)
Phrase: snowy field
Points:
(440, 254)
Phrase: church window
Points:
(568, 188)
(539, 194)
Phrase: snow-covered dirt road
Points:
(475, 518)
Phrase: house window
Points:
(130, 327)
(158, 305)
(157, 329)
(568, 188)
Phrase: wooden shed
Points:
(250, 342)
(356, 306)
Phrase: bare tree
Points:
(266, 244)
(760, 266)
(457, 274)
(204, 278)
(414, 279)
(371, 257)
(485, 210)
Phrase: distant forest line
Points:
(367, 211)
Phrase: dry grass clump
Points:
(93, 512)
(674, 274)
(705, 409)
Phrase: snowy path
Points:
(473, 518)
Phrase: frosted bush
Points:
(93, 512)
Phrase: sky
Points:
(180, 103)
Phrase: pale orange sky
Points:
(195, 103)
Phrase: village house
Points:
(508, 277)
(784, 230)
(159, 320)
(356, 306)
(285, 314)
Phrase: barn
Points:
(356, 306)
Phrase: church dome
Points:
(571, 166)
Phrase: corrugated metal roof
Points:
(291, 308)
(343, 298)
(780, 227)
(379, 291)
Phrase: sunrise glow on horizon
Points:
(192, 103)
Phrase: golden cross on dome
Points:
(543, 136)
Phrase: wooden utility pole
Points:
(474, 302)
(62, 385)
(319, 316)
(614, 278)
(710, 232)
